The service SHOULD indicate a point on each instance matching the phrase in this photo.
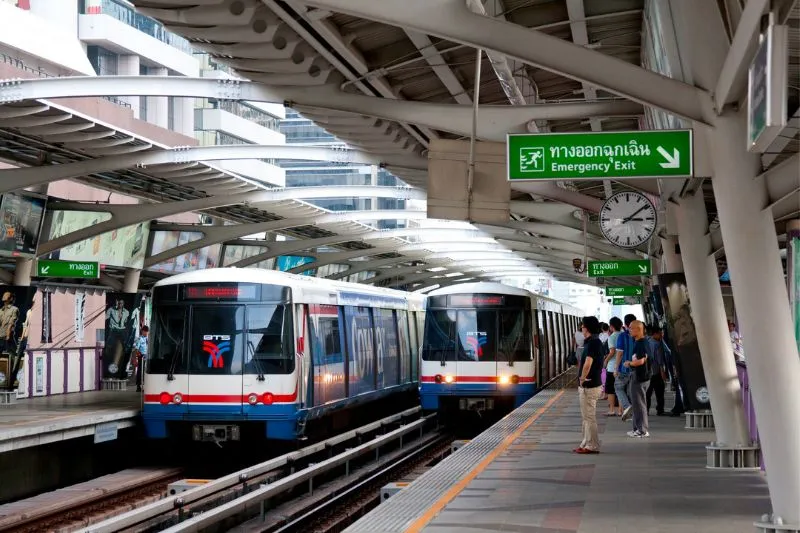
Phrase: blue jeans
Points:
(621, 389)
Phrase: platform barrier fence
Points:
(47, 372)
(747, 402)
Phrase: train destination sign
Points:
(624, 291)
(626, 267)
(46, 268)
(600, 155)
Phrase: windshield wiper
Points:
(256, 363)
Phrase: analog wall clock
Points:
(628, 219)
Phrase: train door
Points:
(477, 356)
(216, 350)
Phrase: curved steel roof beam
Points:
(19, 178)
(496, 120)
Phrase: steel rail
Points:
(248, 501)
(174, 503)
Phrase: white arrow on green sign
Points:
(624, 291)
(47, 268)
(610, 269)
(600, 155)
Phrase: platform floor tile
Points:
(537, 485)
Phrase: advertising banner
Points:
(15, 316)
(123, 247)
(21, 215)
(121, 329)
(288, 262)
(207, 257)
(682, 340)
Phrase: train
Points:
(488, 346)
(249, 354)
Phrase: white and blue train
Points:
(488, 346)
(239, 354)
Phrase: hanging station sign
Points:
(627, 267)
(767, 89)
(624, 291)
(600, 155)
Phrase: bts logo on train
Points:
(215, 346)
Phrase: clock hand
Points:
(624, 220)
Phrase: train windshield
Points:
(214, 337)
(477, 335)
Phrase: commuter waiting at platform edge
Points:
(590, 387)
(622, 377)
(614, 404)
(641, 370)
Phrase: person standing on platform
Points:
(655, 350)
(622, 379)
(140, 355)
(614, 405)
(589, 384)
(736, 343)
(577, 345)
(640, 365)
(604, 333)
(9, 314)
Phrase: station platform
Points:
(38, 421)
(522, 476)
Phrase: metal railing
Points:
(242, 477)
(127, 15)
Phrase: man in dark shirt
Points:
(655, 350)
(639, 381)
(590, 384)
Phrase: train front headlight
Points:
(504, 380)
(177, 398)
(252, 399)
(449, 379)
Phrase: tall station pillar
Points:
(754, 262)
(130, 283)
(22, 272)
(708, 314)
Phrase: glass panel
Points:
(386, 338)
(360, 349)
(514, 336)
(476, 335)
(166, 341)
(405, 346)
(440, 345)
(217, 340)
(269, 340)
(326, 349)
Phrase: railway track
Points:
(84, 504)
(294, 481)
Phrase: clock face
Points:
(628, 219)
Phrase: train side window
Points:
(269, 344)
(514, 336)
(440, 335)
(167, 342)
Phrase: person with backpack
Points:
(641, 371)
(655, 350)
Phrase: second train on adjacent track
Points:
(488, 346)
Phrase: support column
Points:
(186, 123)
(754, 262)
(129, 66)
(708, 313)
(130, 283)
(158, 106)
(672, 260)
(22, 272)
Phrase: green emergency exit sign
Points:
(47, 268)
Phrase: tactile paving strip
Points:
(401, 510)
